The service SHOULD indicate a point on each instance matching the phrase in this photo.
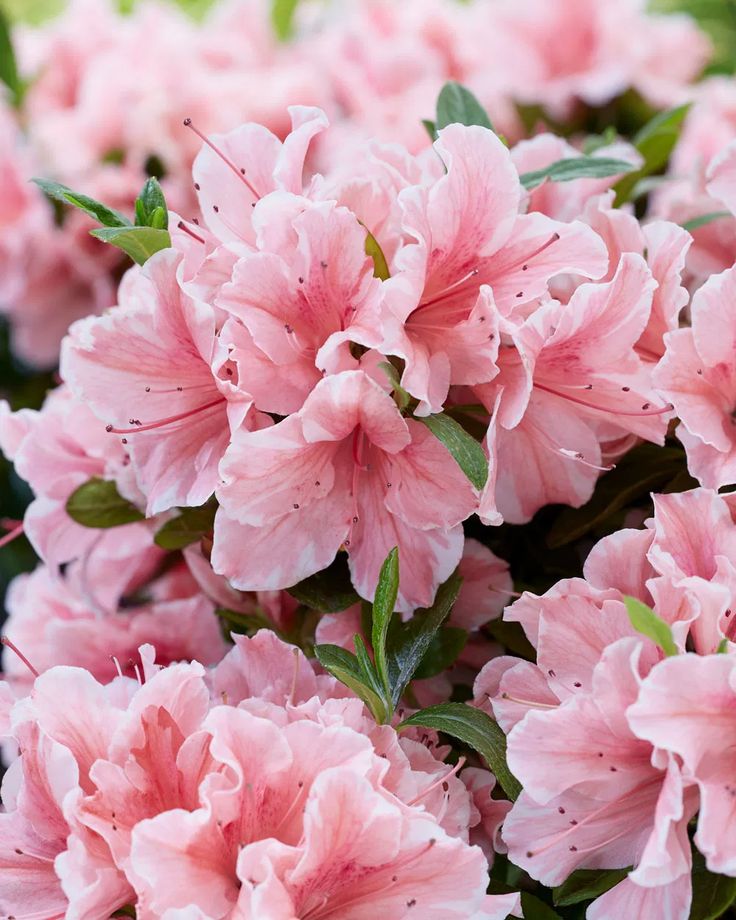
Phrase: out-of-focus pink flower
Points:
(346, 469)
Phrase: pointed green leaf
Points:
(244, 624)
(368, 671)
(329, 591)
(575, 168)
(457, 105)
(534, 908)
(373, 249)
(384, 604)
(655, 143)
(97, 503)
(150, 206)
(346, 668)
(722, 647)
(431, 129)
(400, 395)
(704, 219)
(140, 243)
(108, 217)
(466, 451)
(649, 624)
(282, 18)
(476, 729)
(189, 526)
(442, 653)
(586, 884)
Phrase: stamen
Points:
(292, 694)
(195, 236)
(443, 779)
(449, 291)
(645, 411)
(160, 423)
(535, 705)
(13, 535)
(222, 155)
(115, 661)
(523, 262)
(14, 648)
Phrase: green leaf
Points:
(655, 142)
(127, 911)
(476, 729)
(282, 18)
(442, 653)
(347, 669)
(189, 526)
(712, 894)
(535, 909)
(8, 65)
(329, 591)
(704, 219)
(647, 468)
(722, 647)
(648, 623)
(384, 604)
(431, 129)
(408, 643)
(97, 503)
(466, 451)
(150, 207)
(586, 884)
(457, 105)
(373, 249)
(140, 243)
(244, 624)
(108, 217)
(402, 397)
(575, 168)
(369, 675)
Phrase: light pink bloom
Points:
(302, 299)
(572, 380)
(346, 469)
(686, 706)
(596, 796)
(698, 374)
(474, 256)
(145, 369)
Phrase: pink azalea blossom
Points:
(145, 370)
(698, 374)
(346, 470)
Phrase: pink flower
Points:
(572, 381)
(596, 796)
(300, 300)
(145, 368)
(346, 469)
(53, 622)
(474, 257)
(686, 706)
(698, 374)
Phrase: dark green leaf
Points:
(408, 643)
(346, 668)
(535, 909)
(712, 894)
(373, 249)
(476, 729)
(649, 624)
(655, 143)
(466, 451)
(282, 18)
(401, 396)
(645, 469)
(456, 104)
(384, 604)
(108, 217)
(245, 624)
(586, 884)
(704, 219)
(150, 207)
(189, 526)
(97, 503)
(431, 129)
(368, 671)
(575, 168)
(127, 911)
(442, 652)
(329, 591)
(140, 243)
(8, 66)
